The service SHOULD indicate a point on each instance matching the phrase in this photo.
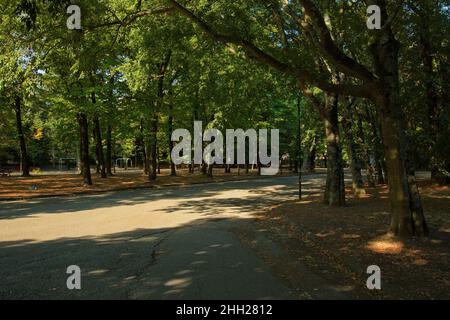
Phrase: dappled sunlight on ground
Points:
(341, 242)
(387, 246)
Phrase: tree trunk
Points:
(154, 119)
(377, 147)
(84, 149)
(209, 173)
(158, 158)
(204, 168)
(335, 189)
(407, 217)
(99, 147)
(153, 145)
(379, 172)
(299, 147)
(173, 171)
(109, 150)
(144, 148)
(24, 160)
(367, 156)
(309, 162)
(425, 12)
(432, 105)
(352, 150)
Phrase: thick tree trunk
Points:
(335, 189)
(407, 218)
(24, 160)
(84, 149)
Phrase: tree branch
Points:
(129, 19)
(253, 51)
(343, 62)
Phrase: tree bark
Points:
(377, 147)
(335, 189)
(299, 146)
(309, 163)
(24, 159)
(84, 149)
(153, 146)
(173, 171)
(109, 150)
(98, 142)
(352, 150)
(154, 118)
(407, 217)
(99, 147)
(209, 173)
(144, 148)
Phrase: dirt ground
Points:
(340, 243)
(16, 187)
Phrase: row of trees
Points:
(137, 70)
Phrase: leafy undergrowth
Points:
(338, 244)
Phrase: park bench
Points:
(5, 172)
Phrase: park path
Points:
(168, 243)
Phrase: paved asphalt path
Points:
(165, 243)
